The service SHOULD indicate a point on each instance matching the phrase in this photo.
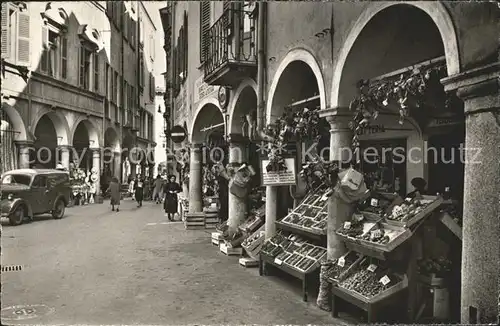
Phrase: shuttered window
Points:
(7, 14)
(64, 57)
(185, 45)
(23, 39)
(96, 72)
(204, 27)
(81, 67)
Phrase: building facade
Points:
(77, 84)
(316, 52)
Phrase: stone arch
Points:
(92, 130)
(208, 108)
(21, 133)
(112, 139)
(435, 10)
(297, 54)
(247, 85)
(60, 125)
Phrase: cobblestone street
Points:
(97, 267)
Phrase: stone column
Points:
(271, 210)
(338, 210)
(24, 148)
(96, 165)
(237, 207)
(195, 195)
(64, 155)
(479, 90)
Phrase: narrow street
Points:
(98, 267)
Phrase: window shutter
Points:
(45, 48)
(153, 89)
(228, 5)
(23, 41)
(204, 28)
(186, 44)
(96, 72)
(81, 71)
(64, 57)
(5, 40)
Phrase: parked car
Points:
(30, 192)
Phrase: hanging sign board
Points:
(178, 134)
(285, 177)
(440, 122)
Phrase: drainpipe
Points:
(261, 60)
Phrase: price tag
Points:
(278, 261)
(374, 202)
(341, 261)
(408, 199)
(372, 268)
(385, 280)
(347, 225)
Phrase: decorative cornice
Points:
(335, 112)
(484, 88)
(471, 77)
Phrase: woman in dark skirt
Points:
(114, 190)
(171, 189)
(139, 191)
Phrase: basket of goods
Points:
(412, 210)
(372, 282)
(252, 224)
(292, 218)
(434, 271)
(384, 237)
(253, 241)
(301, 209)
(293, 259)
(222, 227)
(354, 229)
(278, 260)
(320, 226)
(305, 264)
(311, 199)
(341, 266)
(312, 211)
(270, 249)
(377, 204)
(317, 253)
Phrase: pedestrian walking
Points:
(157, 191)
(170, 191)
(114, 190)
(139, 191)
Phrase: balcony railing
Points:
(230, 51)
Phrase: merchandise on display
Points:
(338, 267)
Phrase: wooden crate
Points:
(248, 262)
(381, 296)
(225, 249)
(448, 221)
(436, 202)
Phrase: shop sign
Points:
(202, 90)
(287, 177)
(439, 122)
(373, 129)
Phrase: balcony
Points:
(230, 54)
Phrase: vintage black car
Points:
(30, 192)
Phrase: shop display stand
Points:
(317, 238)
(306, 278)
(405, 249)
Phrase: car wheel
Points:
(58, 211)
(17, 217)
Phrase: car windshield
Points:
(23, 179)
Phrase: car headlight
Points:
(10, 196)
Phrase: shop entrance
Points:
(46, 141)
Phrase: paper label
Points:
(372, 268)
(408, 199)
(341, 262)
(385, 280)
(374, 202)
(278, 261)
(347, 225)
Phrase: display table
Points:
(305, 277)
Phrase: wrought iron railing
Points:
(232, 38)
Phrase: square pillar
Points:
(479, 90)
(195, 190)
(64, 155)
(24, 148)
(96, 168)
